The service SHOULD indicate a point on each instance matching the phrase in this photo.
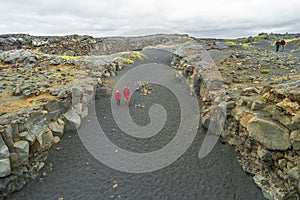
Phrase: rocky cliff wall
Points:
(262, 122)
(42, 94)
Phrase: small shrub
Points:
(136, 56)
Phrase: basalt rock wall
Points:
(262, 123)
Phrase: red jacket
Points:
(126, 92)
(118, 95)
(282, 42)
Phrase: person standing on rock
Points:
(277, 45)
(282, 43)
(126, 93)
(118, 97)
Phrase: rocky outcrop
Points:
(75, 45)
(31, 124)
(256, 91)
(262, 120)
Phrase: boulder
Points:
(269, 133)
(73, 117)
(5, 169)
(57, 127)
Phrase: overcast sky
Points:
(200, 18)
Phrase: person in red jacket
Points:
(282, 44)
(126, 93)
(118, 97)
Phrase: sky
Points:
(198, 18)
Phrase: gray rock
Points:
(8, 137)
(77, 93)
(45, 140)
(4, 152)
(54, 91)
(88, 89)
(56, 61)
(5, 169)
(282, 163)
(221, 45)
(57, 127)
(21, 153)
(294, 173)
(73, 117)
(12, 56)
(296, 145)
(250, 39)
(38, 129)
(27, 136)
(269, 133)
(257, 105)
(63, 94)
(28, 93)
(18, 91)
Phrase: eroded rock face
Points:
(21, 153)
(262, 119)
(5, 168)
(269, 133)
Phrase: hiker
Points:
(118, 97)
(277, 44)
(126, 93)
(282, 43)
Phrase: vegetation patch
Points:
(265, 71)
(292, 40)
(69, 57)
(126, 61)
(259, 37)
(230, 43)
(246, 46)
(136, 56)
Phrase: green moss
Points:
(246, 46)
(259, 37)
(69, 57)
(265, 71)
(125, 60)
(287, 41)
(230, 43)
(292, 40)
(273, 44)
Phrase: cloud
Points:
(222, 18)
